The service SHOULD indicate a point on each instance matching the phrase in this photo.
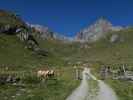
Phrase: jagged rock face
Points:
(22, 34)
(96, 31)
(114, 38)
(43, 32)
(7, 29)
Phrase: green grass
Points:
(64, 56)
(19, 60)
(123, 89)
(31, 89)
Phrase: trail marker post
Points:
(77, 73)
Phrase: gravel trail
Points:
(82, 92)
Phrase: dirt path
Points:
(105, 92)
(82, 92)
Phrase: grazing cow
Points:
(45, 74)
(51, 73)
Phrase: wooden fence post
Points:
(77, 73)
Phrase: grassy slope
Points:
(64, 56)
(19, 60)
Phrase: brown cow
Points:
(45, 73)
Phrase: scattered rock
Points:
(115, 38)
(8, 79)
(13, 96)
(18, 94)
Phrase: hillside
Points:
(114, 49)
(10, 18)
(64, 55)
(18, 59)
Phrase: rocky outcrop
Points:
(114, 38)
(96, 31)
(7, 29)
(31, 43)
(42, 31)
(6, 78)
(11, 24)
(45, 33)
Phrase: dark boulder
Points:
(5, 78)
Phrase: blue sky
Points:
(69, 16)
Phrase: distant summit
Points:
(96, 30)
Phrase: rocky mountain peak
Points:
(103, 21)
(96, 30)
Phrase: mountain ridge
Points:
(91, 33)
(96, 30)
